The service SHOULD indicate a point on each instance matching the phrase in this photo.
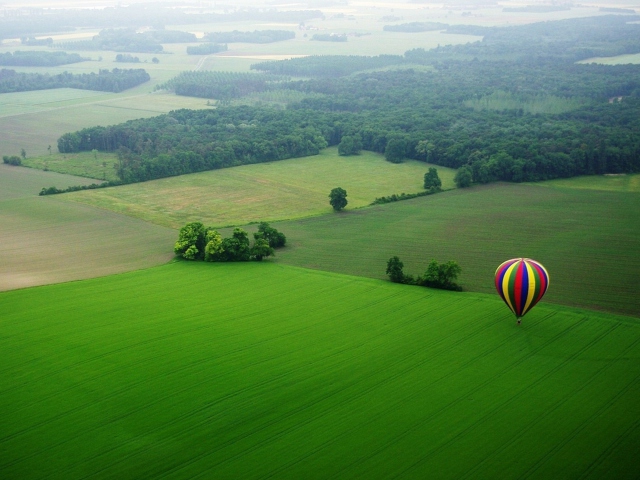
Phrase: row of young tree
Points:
(115, 80)
(197, 242)
(39, 59)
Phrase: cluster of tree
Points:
(437, 275)
(197, 242)
(115, 80)
(207, 49)
(39, 59)
(329, 37)
(12, 160)
(127, 58)
(257, 36)
(330, 66)
(415, 27)
(219, 85)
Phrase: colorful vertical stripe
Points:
(521, 282)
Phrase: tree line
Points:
(219, 85)
(39, 59)
(115, 80)
(197, 242)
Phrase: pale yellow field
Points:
(270, 191)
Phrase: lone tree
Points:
(432, 180)
(338, 199)
(394, 270)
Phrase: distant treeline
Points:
(470, 113)
(115, 80)
(329, 37)
(257, 36)
(127, 40)
(219, 85)
(206, 49)
(47, 20)
(36, 42)
(39, 59)
(415, 27)
(327, 65)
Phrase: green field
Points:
(96, 165)
(614, 183)
(589, 240)
(264, 371)
(268, 191)
(44, 240)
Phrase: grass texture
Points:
(589, 240)
(269, 191)
(266, 371)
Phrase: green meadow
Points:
(588, 239)
(265, 371)
(269, 191)
(95, 165)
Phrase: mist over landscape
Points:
(319, 239)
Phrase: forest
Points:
(525, 118)
(39, 59)
(115, 80)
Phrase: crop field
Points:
(44, 240)
(589, 240)
(270, 191)
(182, 371)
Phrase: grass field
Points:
(265, 371)
(269, 191)
(589, 240)
(99, 166)
(44, 240)
(19, 182)
(614, 183)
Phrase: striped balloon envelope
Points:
(521, 282)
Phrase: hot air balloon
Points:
(521, 282)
